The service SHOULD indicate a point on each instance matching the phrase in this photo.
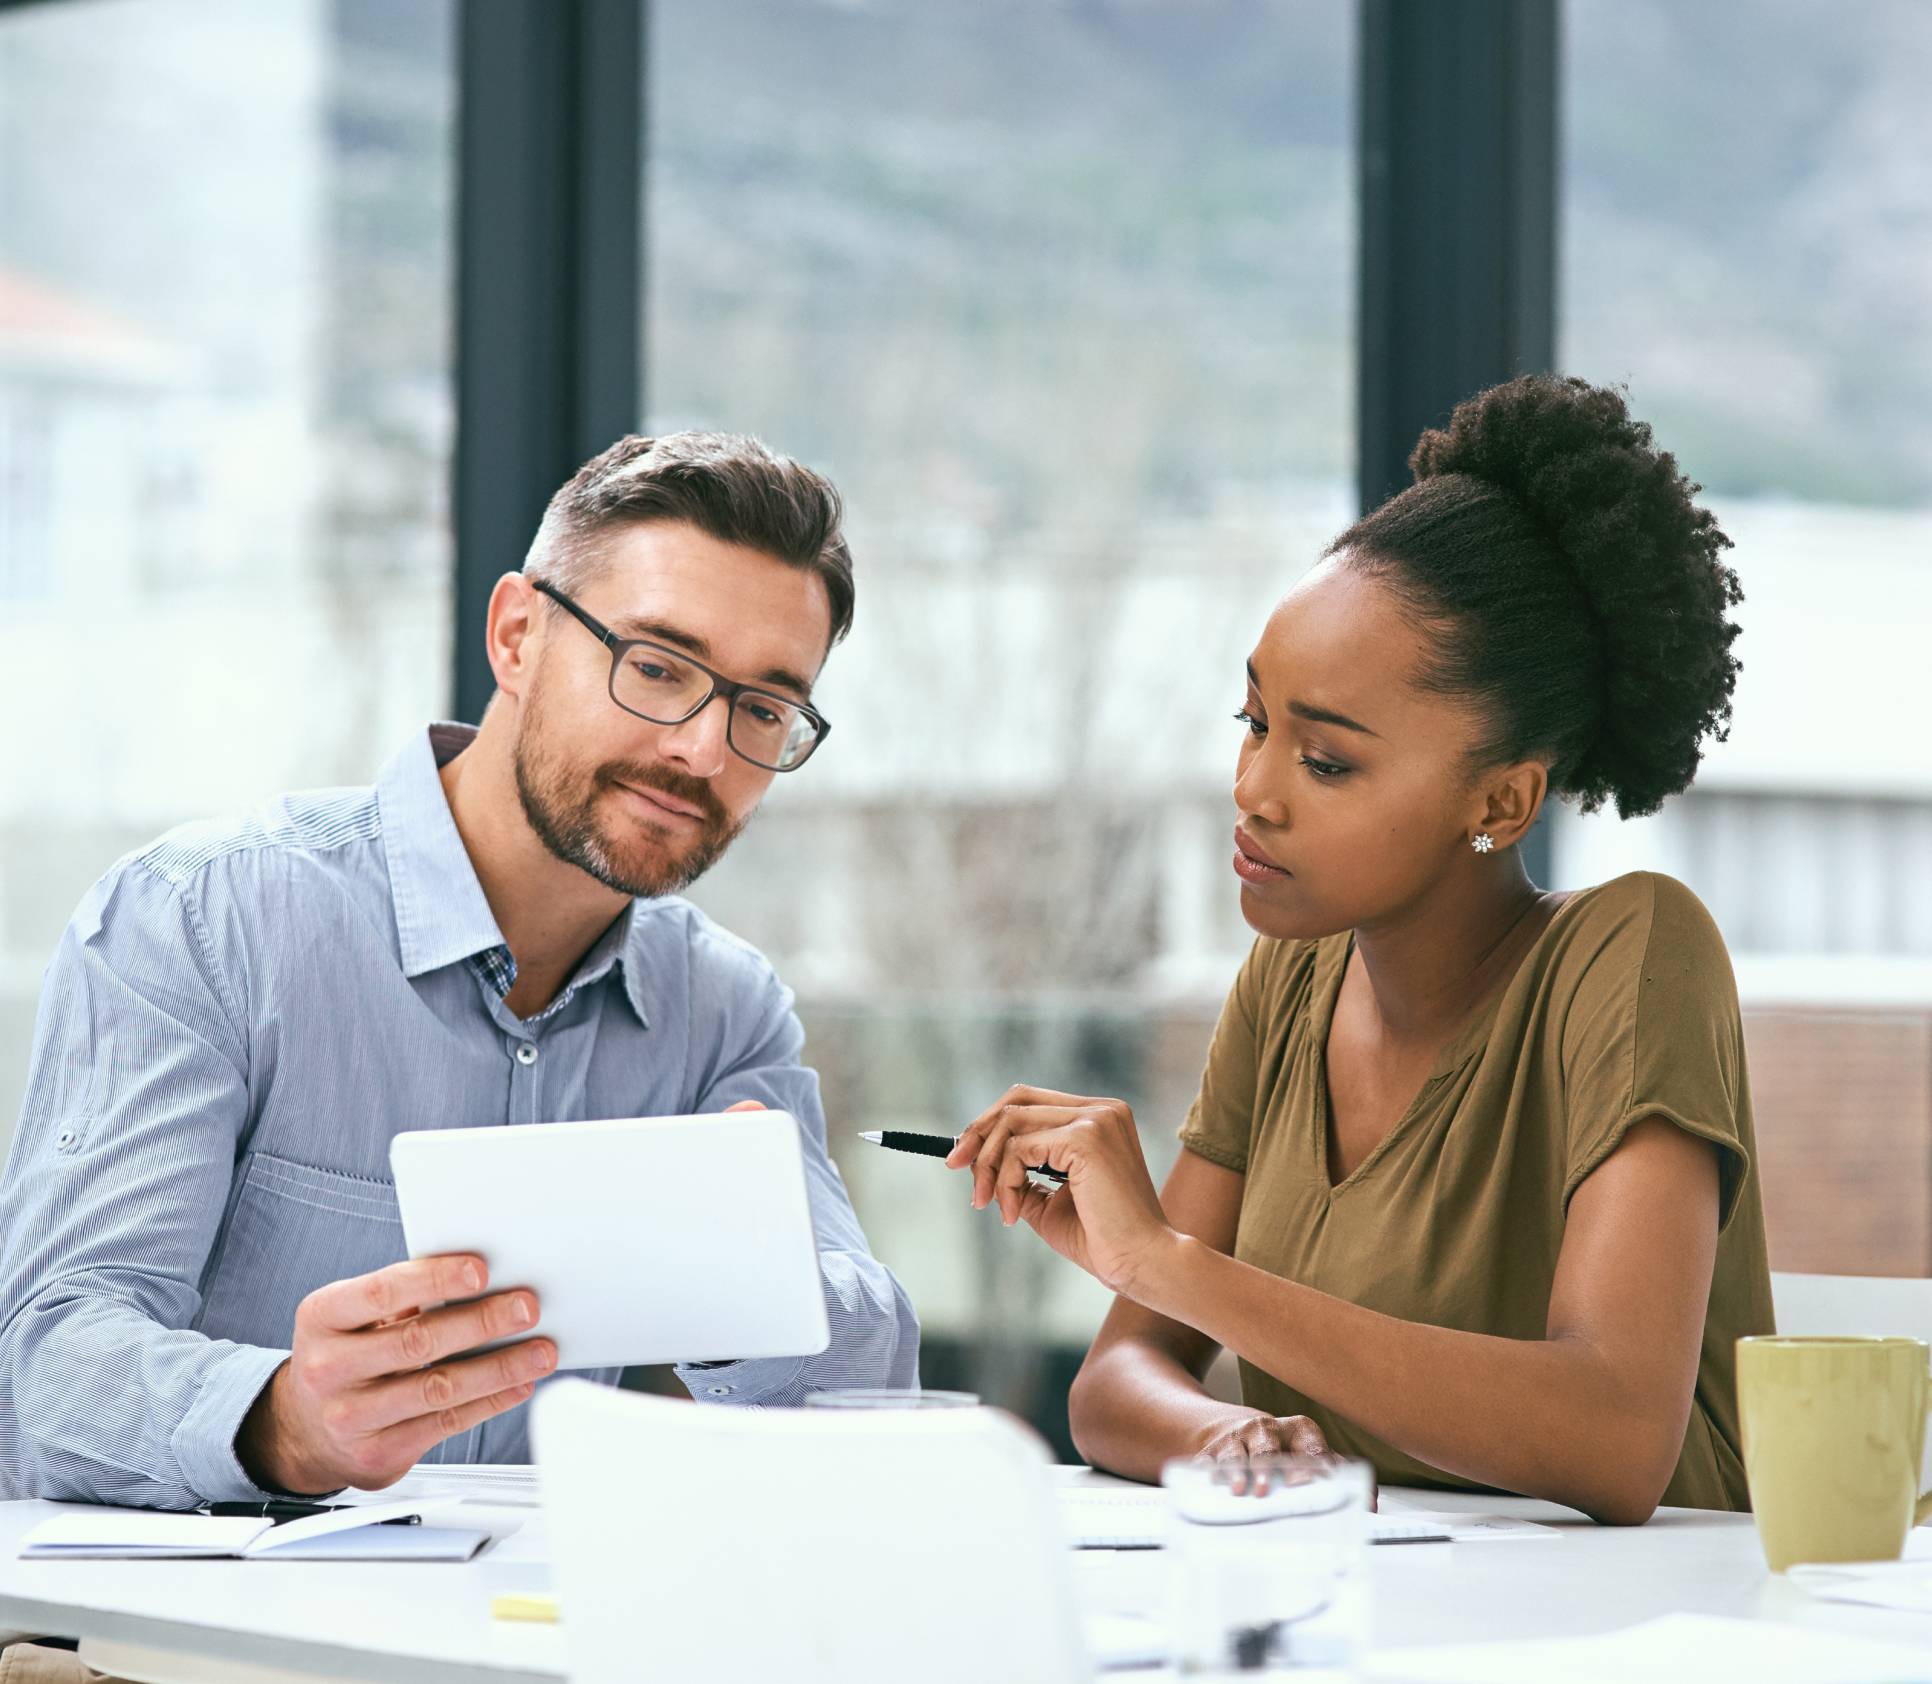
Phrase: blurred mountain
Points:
(1748, 236)
(1004, 267)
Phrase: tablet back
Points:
(646, 1240)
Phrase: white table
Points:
(222, 1622)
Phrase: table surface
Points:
(430, 1624)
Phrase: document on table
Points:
(509, 1485)
(1664, 1651)
(1133, 1517)
(355, 1534)
(1903, 1584)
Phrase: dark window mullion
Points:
(1458, 175)
(549, 281)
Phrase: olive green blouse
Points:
(1624, 1009)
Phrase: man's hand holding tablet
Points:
(370, 1383)
(376, 1376)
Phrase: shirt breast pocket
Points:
(294, 1228)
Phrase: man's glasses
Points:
(667, 687)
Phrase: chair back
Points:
(1853, 1304)
(816, 1546)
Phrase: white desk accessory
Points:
(815, 1546)
(646, 1240)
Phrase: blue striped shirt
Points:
(237, 1022)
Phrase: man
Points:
(201, 1296)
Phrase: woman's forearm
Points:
(1433, 1393)
(1134, 1406)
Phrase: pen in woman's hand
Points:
(939, 1146)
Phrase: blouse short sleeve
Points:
(1220, 1123)
(1652, 1029)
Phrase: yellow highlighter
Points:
(537, 1610)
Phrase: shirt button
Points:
(719, 1391)
(526, 1052)
(65, 1140)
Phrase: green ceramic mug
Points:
(1834, 1432)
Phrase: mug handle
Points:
(1922, 1512)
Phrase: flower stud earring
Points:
(1482, 842)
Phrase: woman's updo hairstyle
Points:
(1569, 584)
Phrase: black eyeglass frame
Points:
(729, 688)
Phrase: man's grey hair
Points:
(725, 484)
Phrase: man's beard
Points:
(564, 817)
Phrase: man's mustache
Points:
(683, 785)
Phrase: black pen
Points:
(938, 1146)
(288, 1508)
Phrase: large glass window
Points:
(224, 421)
(1747, 237)
(1060, 298)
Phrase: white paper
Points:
(1127, 1517)
(1116, 1642)
(498, 1484)
(1113, 1516)
(1874, 1584)
(313, 1526)
(112, 1533)
(1665, 1651)
(1468, 1528)
(387, 1543)
(354, 1534)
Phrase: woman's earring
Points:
(1482, 842)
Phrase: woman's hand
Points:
(1248, 1433)
(1107, 1218)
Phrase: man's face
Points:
(647, 809)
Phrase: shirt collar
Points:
(441, 914)
(633, 966)
(613, 947)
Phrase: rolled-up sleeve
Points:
(115, 1189)
(874, 1333)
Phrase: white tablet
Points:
(646, 1239)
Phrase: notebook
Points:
(355, 1534)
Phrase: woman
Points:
(1467, 1185)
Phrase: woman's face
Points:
(1353, 787)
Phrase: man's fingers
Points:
(435, 1334)
(405, 1444)
(368, 1300)
(449, 1385)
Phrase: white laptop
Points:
(646, 1239)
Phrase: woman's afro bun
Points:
(1569, 580)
